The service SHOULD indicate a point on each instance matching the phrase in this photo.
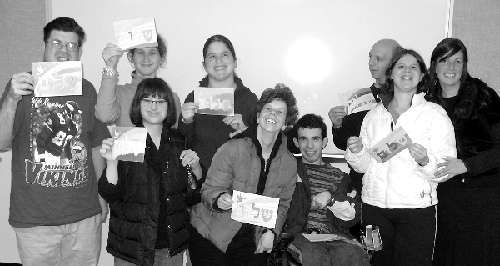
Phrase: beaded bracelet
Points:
(110, 72)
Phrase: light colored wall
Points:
(476, 23)
(263, 31)
(21, 23)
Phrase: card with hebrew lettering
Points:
(358, 100)
(391, 145)
(52, 79)
(214, 101)
(129, 143)
(254, 209)
(135, 33)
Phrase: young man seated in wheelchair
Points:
(324, 202)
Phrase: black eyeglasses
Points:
(71, 46)
(149, 102)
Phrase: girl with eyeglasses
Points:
(149, 200)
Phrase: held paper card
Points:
(254, 209)
(52, 79)
(391, 145)
(129, 143)
(135, 33)
(358, 100)
(323, 237)
(214, 101)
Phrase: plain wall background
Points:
(263, 32)
(477, 24)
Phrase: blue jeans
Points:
(161, 259)
(70, 244)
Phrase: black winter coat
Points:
(135, 203)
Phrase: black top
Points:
(478, 143)
(351, 126)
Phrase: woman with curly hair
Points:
(468, 209)
(254, 161)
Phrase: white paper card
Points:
(214, 101)
(254, 209)
(52, 79)
(129, 143)
(323, 237)
(391, 145)
(358, 100)
(135, 33)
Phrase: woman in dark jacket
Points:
(207, 133)
(468, 210)
(149, 200)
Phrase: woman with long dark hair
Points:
(468, 209)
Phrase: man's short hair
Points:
(310, 121)
(64, 24)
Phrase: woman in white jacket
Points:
(399, 195)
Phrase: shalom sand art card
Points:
(254, 209)
(135, 33)
(391, 145)
(214, 101)
(52, 79)
(129, 143)
(358, 100)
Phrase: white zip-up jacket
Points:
(401, 182)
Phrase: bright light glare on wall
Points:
(308, 61)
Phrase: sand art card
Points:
(135, 33)
(52, 79)
(214, 101)
(254, 209)
(357, 100)
(129, 143)
(391, 145)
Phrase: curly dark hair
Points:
(472, 94)
(310, 121)
(388, 87)
(153, 87)
(280, 92)
(64, 24)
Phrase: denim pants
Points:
(70, 244)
